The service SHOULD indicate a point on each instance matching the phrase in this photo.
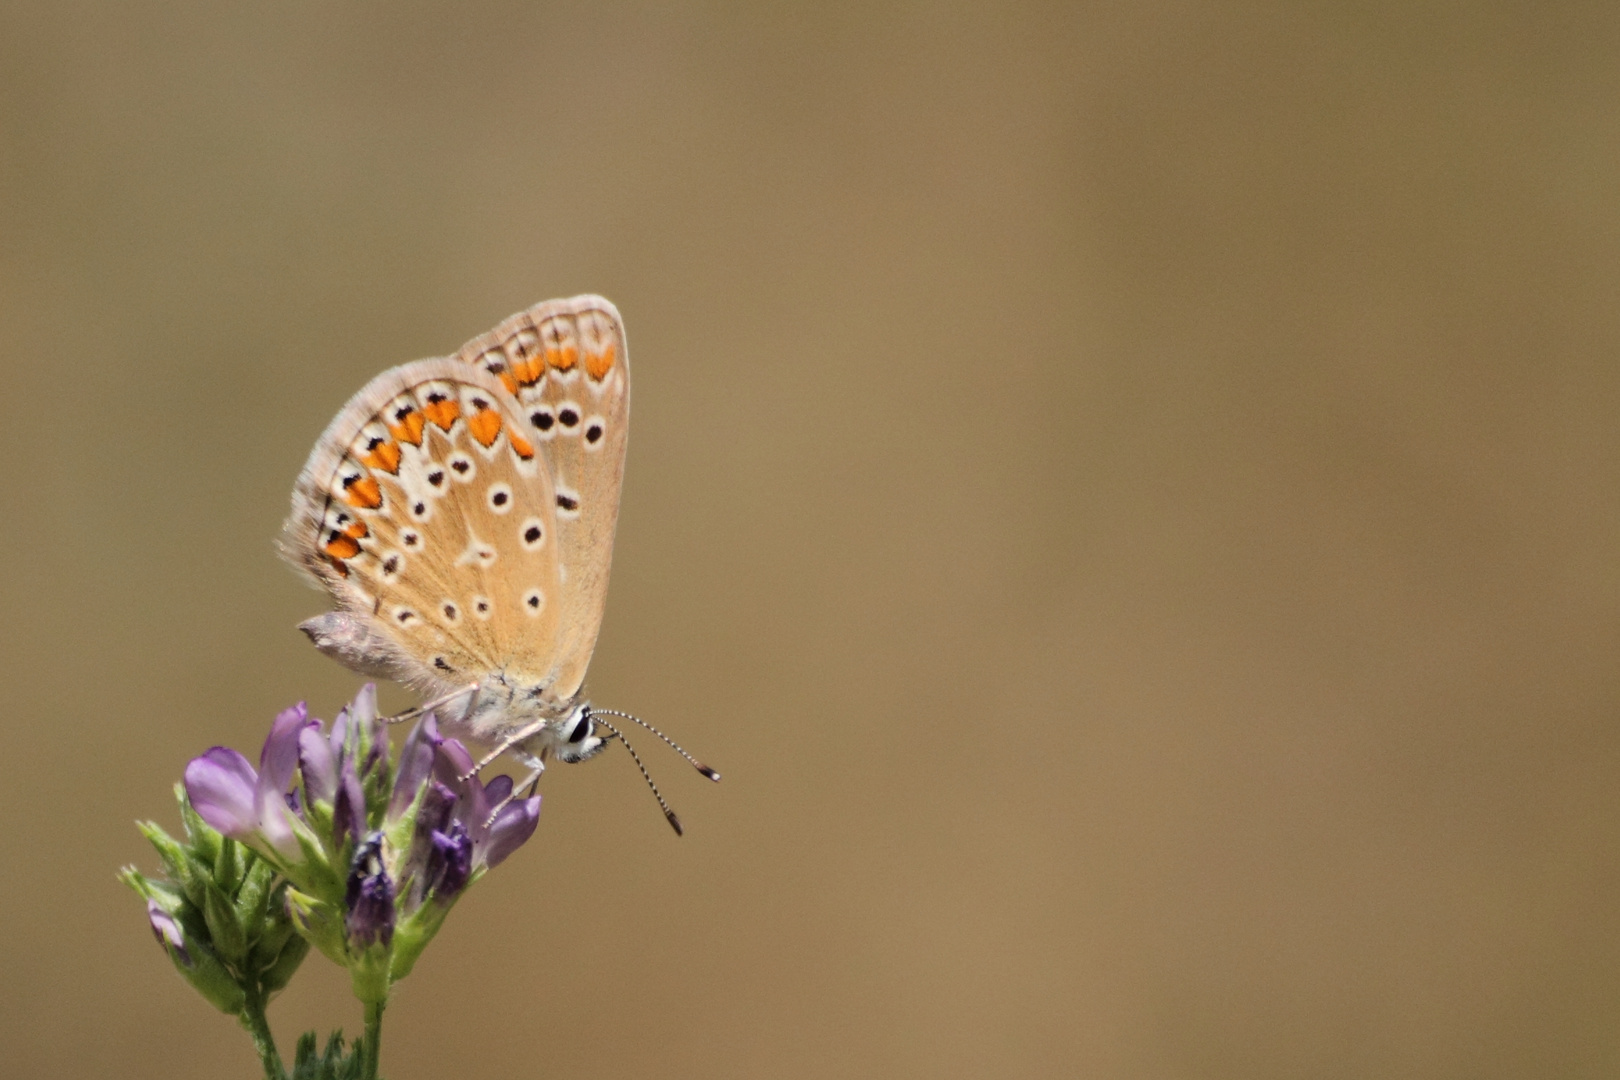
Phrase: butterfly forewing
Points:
(427, 510)
(567, 364)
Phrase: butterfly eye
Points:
(582, 728)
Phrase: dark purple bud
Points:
(513, 825)
(168, 933)
(438, 805)
(223, 789)
(369, 898)
(415, 763)
(450, 863)
(319, 764)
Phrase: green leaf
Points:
(334, 1063)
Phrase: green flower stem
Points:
(373, 1040)
(252, 1017)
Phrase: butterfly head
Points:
(573, 737)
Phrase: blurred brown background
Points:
(1127, 494)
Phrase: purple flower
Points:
(458, 831)
(369, 899)
(330, 777)
(415, 765)
(167, 930)
(248, 805)
(449, 864)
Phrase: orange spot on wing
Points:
(385, 457)
(343, 548)
(562, 358)
(356, 530)
(520, 445)
(339, 565)
(531, 371)
(409, 428)
(510, 381)
(484, 424)
(597, 365)
(364, 493)
(443, 412)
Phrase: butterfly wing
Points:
(567, 364)
(431, 519)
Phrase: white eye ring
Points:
(499, 498)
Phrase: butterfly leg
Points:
(527, 731)
(417, 710)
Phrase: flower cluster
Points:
(328, 843)
(220, 912)
(375, 856)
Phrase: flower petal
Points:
(451, 761)
(279, 757)
(513, 825)
(415, 763)
(222, 787)
(319, 764)
(369, 897)
(167, 930)
(450, 864)
(349, 806)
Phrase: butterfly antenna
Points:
(674, 821)
(696, 764)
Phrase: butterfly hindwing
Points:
(430, 516)
(567, 364)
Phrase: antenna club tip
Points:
(706, 771)
(675, 823)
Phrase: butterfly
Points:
(460, 511)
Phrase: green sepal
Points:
(315, 876)
(203, 837)
(378, 787)
(280, 973)
(321, 924)
(253, 898)
(319, 814)
(209, 977)
(178, 863)
(369, 973)
(412, 934)
(275, 935)
(228, 866)
(224, 929)
(167, 895)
